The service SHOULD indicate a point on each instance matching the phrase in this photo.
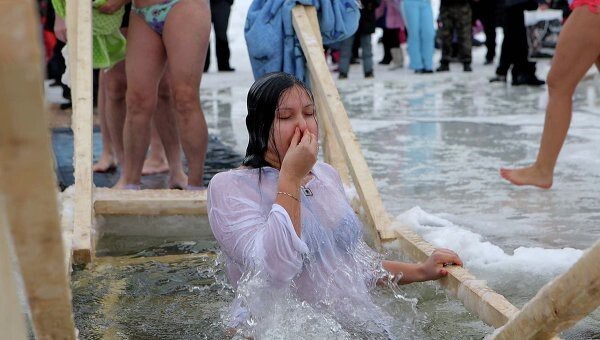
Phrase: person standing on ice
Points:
(419, 24)
(220, 10)
(389, 16)
(366, 27)
(577, 50)
(455, 15)
(515, 50)
(287, 230)
(178, 29)
(109, 46)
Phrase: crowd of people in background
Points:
(148, 97)
(412, 22)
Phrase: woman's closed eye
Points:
(284, 114)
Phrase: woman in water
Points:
(287, 231)
(577, 50)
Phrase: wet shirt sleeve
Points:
(251, 237)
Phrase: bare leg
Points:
(166, 124)
(156, 161)
(145, 64)
(116, 86)
(107, 161)
(185, 38)
(577, 50)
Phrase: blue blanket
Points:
(272, 43)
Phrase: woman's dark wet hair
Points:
(263, 100)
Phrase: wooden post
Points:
(331, 149)
(491, 307)
(79, 30)
(26, 166)
(324, 87)
(12, 317)
(560, 303)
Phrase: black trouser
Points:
(390, 39)
(486, 11)
(514, 46)
(56, 65)
(220, 10)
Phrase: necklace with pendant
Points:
(306, 191)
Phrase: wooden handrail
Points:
(149, 202)
(560, 303)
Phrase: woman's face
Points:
(295, 109)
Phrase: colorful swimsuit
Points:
(593, 5)
(155, 15)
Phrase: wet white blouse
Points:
(329, 266)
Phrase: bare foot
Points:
(105, 164)
(154, 166)
(178, 181)
(120, 185)
(531, 175)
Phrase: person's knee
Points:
(557, 85)
(186, 101)
(116, 86)
(140, 104)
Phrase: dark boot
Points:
(498, 78)
(527, 79)
(444, 67)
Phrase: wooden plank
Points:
(12, 317)
(325, 88)
(149, 202)
(491, 307)
(331, 149)
(27, 179)
(71, 23)
(80, 48)
(560, 303)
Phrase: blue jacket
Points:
(272, 43)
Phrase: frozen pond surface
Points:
(439, 144)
